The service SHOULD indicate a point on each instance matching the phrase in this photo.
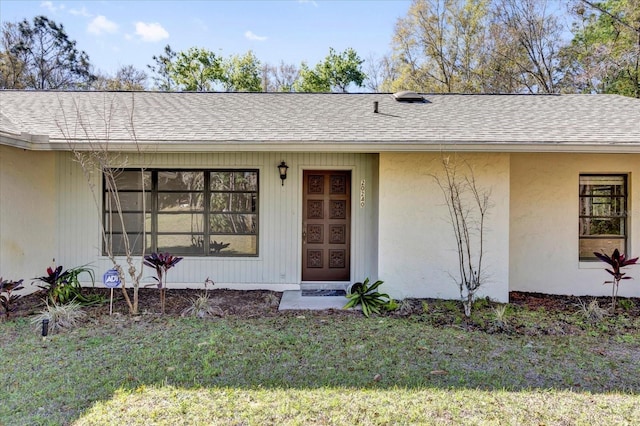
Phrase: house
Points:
(359, 198)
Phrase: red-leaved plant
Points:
(617, 261)
(161, 262)
(6, 298)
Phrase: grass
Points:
(316, 369)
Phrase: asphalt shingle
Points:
(287, 118)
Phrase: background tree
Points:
(11, 66)
(381, 73)
(197, 70)
(439, 46)
(604, 55)
(242, 73)
(279, 78)
(162, 70)
(336, 73)
(39, 55)
(127, 78)
(527, 40)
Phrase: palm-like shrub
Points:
(617, 261)
(161, 262)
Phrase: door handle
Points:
(304, 237)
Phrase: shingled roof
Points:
(182, 121)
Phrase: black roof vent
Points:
(408, 96)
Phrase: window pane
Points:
(131, 179)
(181, 181)
(132, 222)
(234, 180)
(130, 201)
(233, 202)
(180, 223)
(602, 206)
(181, 201)
(602, 183)
(234, 245)
(611, 226)
(181, 244)
(135, 243)
(233, 223)
(601, 245)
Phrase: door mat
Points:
(312, 293)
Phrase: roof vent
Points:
(408, 96)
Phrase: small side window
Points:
(603, 214)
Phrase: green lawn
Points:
(314, 369)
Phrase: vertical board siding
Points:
(278, 265)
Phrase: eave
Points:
(44, 143)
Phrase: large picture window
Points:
(185, 212)
(603, 214)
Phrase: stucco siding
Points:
(27, 213)
(417, 249)
(278, 265)
(544, 223)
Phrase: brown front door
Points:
(326, 225)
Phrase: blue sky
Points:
(117, 33)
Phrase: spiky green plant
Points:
(368, 297)
(63, 286)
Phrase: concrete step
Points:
(294, 300)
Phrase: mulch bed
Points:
(260, 303)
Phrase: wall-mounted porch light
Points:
(282, 168)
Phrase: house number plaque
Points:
(362, 191)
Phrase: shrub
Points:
(617, 261)
(201, 307)
(500, 321)
(627, 304)
(65, 316)
(369, 298)
(63, 286)
(592, 312)
(6, 298)
(161, 262)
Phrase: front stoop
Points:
(293, 300)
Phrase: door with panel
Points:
(326, 225)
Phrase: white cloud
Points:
(101, 25)
(313, 2)
(251, 36)
(80, 12)
(50, 6)
(151, 32)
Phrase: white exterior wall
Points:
(417, 249)
(278, 266)
(27, 213)
(544, 223)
